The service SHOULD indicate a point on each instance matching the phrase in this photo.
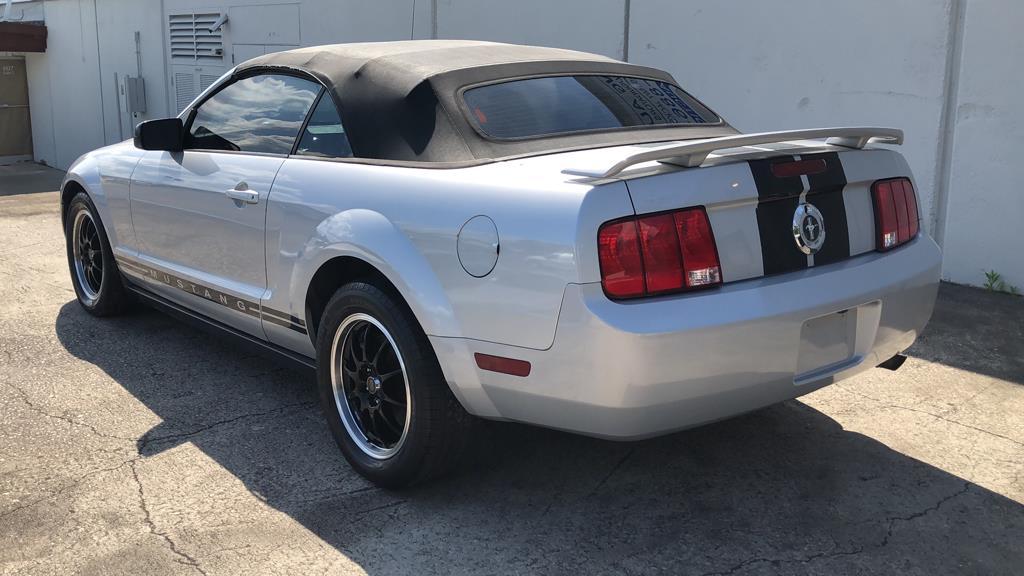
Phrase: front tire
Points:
(94, 273)
(382, 390)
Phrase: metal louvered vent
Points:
(192, 39)
(206, 80)
(184, 89)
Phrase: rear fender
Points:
(371, 237)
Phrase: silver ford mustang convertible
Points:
(448, 228)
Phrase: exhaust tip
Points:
(893, 363)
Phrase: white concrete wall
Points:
(328, 21)
(73, 98)
(66, 113)
(806, 63)
(118, 20)
(984, 218)
(588, 25)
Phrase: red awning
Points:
(22, 37)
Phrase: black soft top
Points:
(400, 101)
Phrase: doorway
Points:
(15, 125)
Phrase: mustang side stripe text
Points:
(213, 295)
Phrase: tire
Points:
(365, 336)
(94, 273)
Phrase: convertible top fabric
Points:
(400, 101)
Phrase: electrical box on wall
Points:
(135, 89)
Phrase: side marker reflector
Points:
(502, 364)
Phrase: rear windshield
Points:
(565, 104)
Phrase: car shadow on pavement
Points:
(782, 489)
(976, 330)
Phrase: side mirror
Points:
(165, 134)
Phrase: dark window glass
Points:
(564, 104)
(256, 114)
(324, 135)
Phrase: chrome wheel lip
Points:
(348, 418)
(89, 294)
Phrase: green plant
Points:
(994, 282)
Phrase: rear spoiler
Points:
(693, 153)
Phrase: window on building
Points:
(261, 113)
(536, 107)
(324, 135)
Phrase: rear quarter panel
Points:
(406, 221)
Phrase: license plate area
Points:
(835, 341)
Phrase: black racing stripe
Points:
(227, 300)
(281, 322)
(121, 262)
(285, 316)
(777, 201)
(826, 193)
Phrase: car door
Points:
(295, 209)
(199, 214)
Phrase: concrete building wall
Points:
(846, 66)
(588, 25)
(946, 71)
(256, 27)
(118, 21)
(985, 211)
(75, 98)
(71, 109)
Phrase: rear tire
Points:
(382, 390)
(94, 273)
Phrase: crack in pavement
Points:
(893, 520)
(146, 441)
(130, 462)
(612, 472)
(364, 513)
(183, 557)
(32, 406)
(65, 488)
(932, 414)
(834, 552)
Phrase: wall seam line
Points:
(625, 31)
(433, 19)
(412, 27)
(99, 70)
(947, 124)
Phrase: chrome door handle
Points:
(247, 196)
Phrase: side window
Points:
(324, 135)
(261, 113)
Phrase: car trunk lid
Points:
(758, 199)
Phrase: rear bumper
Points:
(640, 369)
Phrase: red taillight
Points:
(622, 270)
(659, 245)
(697, 243)
(658, 254)
(896, 216)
